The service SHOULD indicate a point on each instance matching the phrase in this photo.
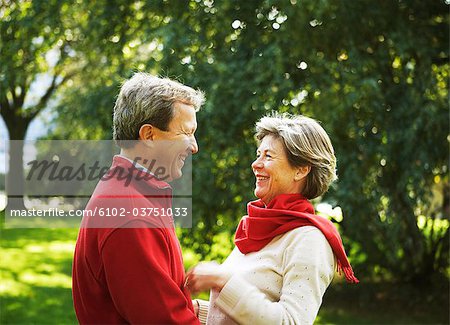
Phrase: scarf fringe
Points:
(348, 272)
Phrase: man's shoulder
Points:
(138, 231)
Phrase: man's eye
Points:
(268, 156)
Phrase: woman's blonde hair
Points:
(306, 144)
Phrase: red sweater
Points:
(130, 271)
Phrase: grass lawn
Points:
(35, 287)
(35, 273)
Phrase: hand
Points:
(205, 276)
(196, 306)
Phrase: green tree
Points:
(27, 33)
(384, 99)
(380, 88)
(58, 41)
(376, 75)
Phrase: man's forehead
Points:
(183, 104)
(184, 116)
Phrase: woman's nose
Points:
(257, 164)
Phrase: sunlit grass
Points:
(35, 276)
(35, 285)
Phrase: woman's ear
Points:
(302, 172)
(146, 132)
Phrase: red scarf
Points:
(286, 212)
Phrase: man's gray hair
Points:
(306, 144)
(148, 99)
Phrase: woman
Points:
(285, 255)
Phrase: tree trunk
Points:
(17, 127)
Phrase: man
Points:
(127, 265)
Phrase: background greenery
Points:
(375, 74)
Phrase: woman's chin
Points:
(259, 194)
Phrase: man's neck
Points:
(134, 157)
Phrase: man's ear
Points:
(147, 132)
(302, 172)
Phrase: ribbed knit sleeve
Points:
(307, 269)
(203, 306)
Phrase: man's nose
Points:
(194, 145)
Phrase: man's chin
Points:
(176, 175)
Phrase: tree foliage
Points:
(376, 75)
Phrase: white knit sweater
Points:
(283, 283)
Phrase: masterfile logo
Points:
(63, 175)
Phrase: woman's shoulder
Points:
(304, 232)
(309, 245)
(307, 238)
